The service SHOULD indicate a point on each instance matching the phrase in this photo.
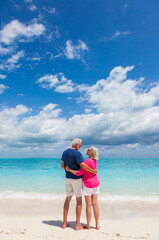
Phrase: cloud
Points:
(34, 59)
(66, 87)
(14, 113)
(11, 63)
(74, 51)
(51, 10)
(47, 127)
(20, 95)
(21, 129)
(48, 81)
(88, 110)
(4, 50)
(117, 93)
(32, 7)
(2, 76)
(126, 115)
(119, 34)
(58, 82)
(16, 30)
(15, 58)
(2, 88)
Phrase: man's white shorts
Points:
(90, 191)
(73, 186)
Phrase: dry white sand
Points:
(37, 219)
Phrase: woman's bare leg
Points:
(96, 209)
(88, 210)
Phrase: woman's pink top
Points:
(90, 180)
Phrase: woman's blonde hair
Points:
(93, 153)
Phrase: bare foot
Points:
(79, 227)
(88, 228)
(65, 225)
(97, 227)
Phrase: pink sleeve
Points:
(80, 172)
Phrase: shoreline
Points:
(102, 196)
(109, 209)
(32, 219)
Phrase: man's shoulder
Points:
(67, 150)
(70, 151)
(65, 153)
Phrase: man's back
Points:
(72, 158)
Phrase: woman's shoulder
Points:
(88, 160)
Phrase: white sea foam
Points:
(105, 197)
(30, 195)
(127, 198)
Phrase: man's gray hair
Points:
(76, 141)
(93, 153)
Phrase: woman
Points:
(90, 186)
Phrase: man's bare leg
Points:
(65, 211)
(78, 213)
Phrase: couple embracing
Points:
(81, 176)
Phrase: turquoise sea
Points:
(43, 178)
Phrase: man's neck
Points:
(73, 148)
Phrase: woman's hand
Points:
(67, 169)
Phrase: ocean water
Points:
(43, 178)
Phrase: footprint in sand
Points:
(118, 235)
(105, 233)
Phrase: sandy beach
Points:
(42, 219)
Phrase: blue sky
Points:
(86, 69)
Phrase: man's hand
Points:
(67, 168)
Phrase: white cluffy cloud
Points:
(48, 81)
(126, 115)
(58, 82)
(117, 93)
(74, 51)
(15, 30)
(18, 131)
(11, 63)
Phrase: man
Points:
(74, 160)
